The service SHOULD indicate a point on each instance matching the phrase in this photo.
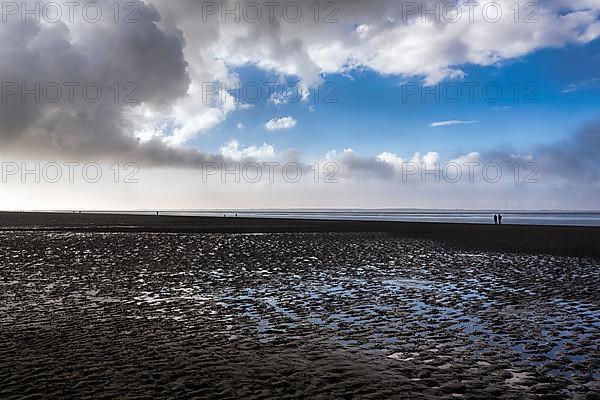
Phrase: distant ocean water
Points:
(570, 218)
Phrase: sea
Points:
(566, 218)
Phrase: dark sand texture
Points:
(92, 314)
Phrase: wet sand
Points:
(93, 308)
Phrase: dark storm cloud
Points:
(352, 164)
(155, 153)
(576, 158)
(139, 61)
(572, 161)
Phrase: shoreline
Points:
(578, 241)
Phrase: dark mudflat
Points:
(137, 315)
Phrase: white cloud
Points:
(451, 122)
(234, 151)
(391, 158)
(331, 155)
(473, 157)
(240, 126)
(281, 123)
(362, 30)
(382, 38)
(429, 159)
(291, 94)
(574, 87)
(569, 89)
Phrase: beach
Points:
(105, 306)
(530, 239)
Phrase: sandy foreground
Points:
(91, 308)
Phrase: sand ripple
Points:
(291, 316)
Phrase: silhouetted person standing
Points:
(495, 219)
(500, 219)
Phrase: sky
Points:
(300, 104)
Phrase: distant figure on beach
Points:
(157, 213)
(500, 218)
(495, 219)
(236, 215)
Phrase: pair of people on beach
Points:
(498, 219)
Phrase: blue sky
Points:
(558, 90)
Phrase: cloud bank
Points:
(163, 59)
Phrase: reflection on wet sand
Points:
(291, 315)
